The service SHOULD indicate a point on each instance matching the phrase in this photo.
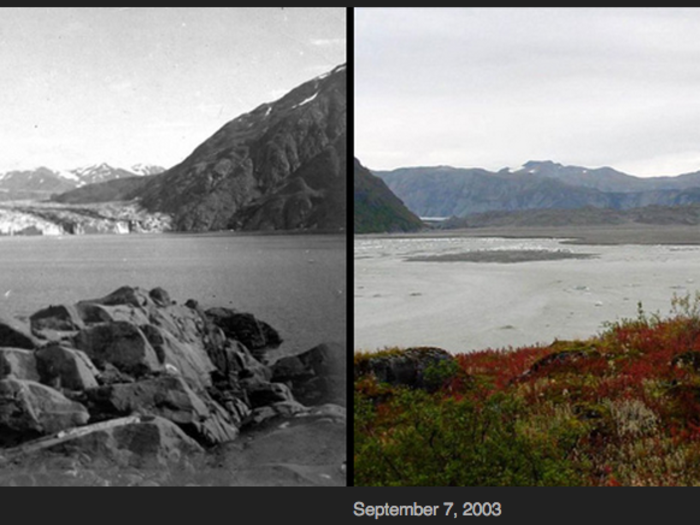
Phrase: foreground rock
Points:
(133, 378)
(29, 409)
(19, 363)
(403, 367)
(316, 376)
(171, 398)
(144, 442)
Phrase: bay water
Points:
(296, 283)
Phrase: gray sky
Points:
(129, 85)
(494, 88)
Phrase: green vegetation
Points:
(620, 408)
(377, 209)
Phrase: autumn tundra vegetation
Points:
(619, 408)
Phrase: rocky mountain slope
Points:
(444, 191)
(377, 209)
(282, 166)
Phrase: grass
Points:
(619, 408)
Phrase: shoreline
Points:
(636, 234)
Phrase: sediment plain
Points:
(462, 306)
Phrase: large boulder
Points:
(120, 343)
(170, 397)
(140, 441)
(180, 336)
(19, 363)
(29, 409)
(186, 355)
(160, 297)
(256, 335)
(56, 322)
(265, 393)
(316, 376)
(63, 367)
(402, 367)
(16, 334)
(235, 362)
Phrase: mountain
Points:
(98, 173)
(41, 183)
(604, 179)
(146, 169)
(687, 215)
(125, 189)
(282, 166)
(377, 209)
(444, 191)
(608, 179)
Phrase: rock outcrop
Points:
(135, 377)
(406, 367)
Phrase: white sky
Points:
(494, 88)
(147, 85)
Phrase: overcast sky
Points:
(494, 88)
(147, 85)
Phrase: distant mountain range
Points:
(41, 183)
(377, 209)
(686, 215)
(445, 191)
(282, 166)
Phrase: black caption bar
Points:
(336, 505)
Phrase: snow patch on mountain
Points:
(306, 101)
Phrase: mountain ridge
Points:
(445, 191)
(42, 182)
(281, 166)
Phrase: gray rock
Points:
(256, 335)
(16, 334)
(160, 297)
(316, 376)
(142, 442)
(63, 367)
(264, 393)
(19, 363)
(51, 322)
(29, 409)
(178, 335)
(121, 344)
(169, 397)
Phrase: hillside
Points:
(377, 209)
(688, 215)
(620, 408)
(282, 166)
(115, 190)
(444, 191)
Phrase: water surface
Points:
(296, 283)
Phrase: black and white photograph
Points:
(173, 247)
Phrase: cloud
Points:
(497, 87)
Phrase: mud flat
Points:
(466, 306)
(501, 256)
(641, 234)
